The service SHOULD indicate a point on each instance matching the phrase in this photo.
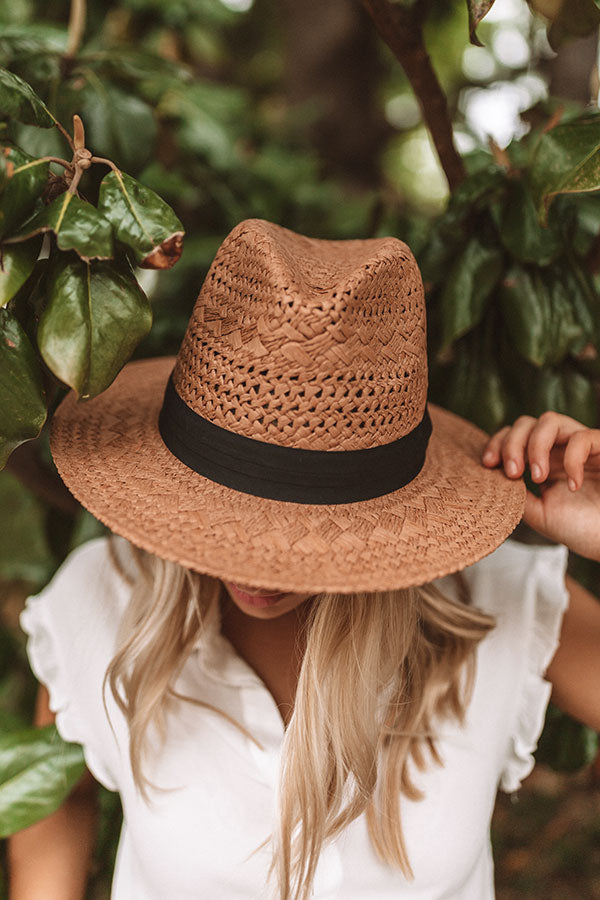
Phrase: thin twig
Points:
(401, 27)
(76, 27)
(106, 162)
(65, 134)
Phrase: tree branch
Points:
(401, 27)
(76, 27)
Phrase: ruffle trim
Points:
(41, 651)
(551, 601)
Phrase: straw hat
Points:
(289, 445)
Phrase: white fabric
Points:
(196, 841)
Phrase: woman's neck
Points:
(272, 647)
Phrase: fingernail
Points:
(511, 467)
(536, 472)
(572, 484)
(488, 456)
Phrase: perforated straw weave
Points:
(303, 343)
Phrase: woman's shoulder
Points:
(515, 571)
(89, 591)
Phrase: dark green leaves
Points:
(18, 101)
(468, 287)
(26, 179)
(38, 770)
(119, 125)
(24, 550)
(538, 316)
(567, 160)
(22, 396)
(141, 220)
(77, 225)
(16, 265)
(95, 317)
(520, 229)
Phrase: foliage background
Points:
(298, 113)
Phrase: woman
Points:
(303, 697)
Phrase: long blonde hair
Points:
(379, 669)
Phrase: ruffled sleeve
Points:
(545, 601)
(71, 626)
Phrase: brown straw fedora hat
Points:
(290, 445)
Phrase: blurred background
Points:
(298, 112)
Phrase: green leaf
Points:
(141, 220)
(95, 317)
(471, 385)
(565, 391)
(38, 770)
(27, 179)
(22, 395)
(477, 10)
(77, 225)
(118, 124)
(24, 550)
(19, 101)
(538, 316)
(521, 232)
(566, 161)
(16, 265)
(565, 744)
(468, 286)
(210, 120)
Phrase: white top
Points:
(195, 842)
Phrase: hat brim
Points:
(111, 457)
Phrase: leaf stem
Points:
(76, 27)
(106, 162)
(401, 27)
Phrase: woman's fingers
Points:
(508, 446)
(580, 447)
(532, 440)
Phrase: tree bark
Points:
(402, 30)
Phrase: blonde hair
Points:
(378, 670)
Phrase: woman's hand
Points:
(564, 459)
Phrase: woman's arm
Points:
(564, 460)
(51, 859)
(575, 668)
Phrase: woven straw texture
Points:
(307, 343)
(303, 343)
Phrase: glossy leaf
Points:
(477, 10)
(16, 265)
(77, 225)
(141, 220)
(22, 395)
(24, 550)
(38, 770)
(520, 229)
(539, 318)
(95, 316)
(19, 101)
(468, 286)
(27, 179)
(565, 391)
(566, 161)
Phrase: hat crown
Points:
(307, 343)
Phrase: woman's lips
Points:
(254, 599)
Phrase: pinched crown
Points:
(307, 343)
